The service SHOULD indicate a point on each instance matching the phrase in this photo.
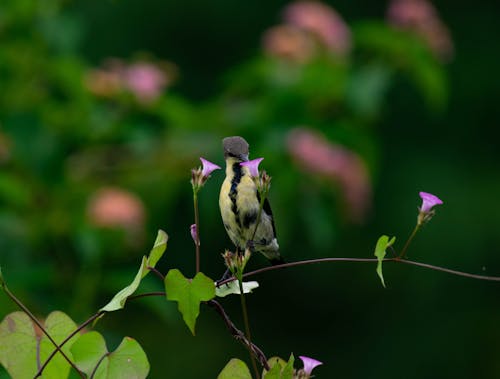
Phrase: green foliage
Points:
(92, 357)
(380, 252)
(189, 294)
(22, 346)
(118, 301)
(158, 249)
(235, 369)
(280, 369)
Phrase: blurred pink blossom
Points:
(112, 207)
(314, 153)
(322, 21)
(289, 42)
(145, 80)
(421, 17)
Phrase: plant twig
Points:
(197, 223)
(373, 260)
(238, 334)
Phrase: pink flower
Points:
(429, 201)
(314, 153)
(322, 21)
(145, 80)
(253, 166)
(208, 167)
(309, 364)
(421, 17)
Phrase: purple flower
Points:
(194, 234)
(208, 167)
(309, 364)
(253, 166)
(429, 201)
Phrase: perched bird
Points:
(239, 203)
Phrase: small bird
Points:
(239, 203)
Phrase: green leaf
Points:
(88, 350)
(21, 348)
(380, 251)
(158, 249)
(235, 369)
(128, 361)
(280, 369)
(118, 301)
(287, 372)
(92, 357)
(58, 326)
(189, 294)
(2, 281)
(18, 345)
(234, 288)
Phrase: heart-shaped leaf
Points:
(92, 357)
(189, 294)
(22, 349)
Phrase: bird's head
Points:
(236, 148)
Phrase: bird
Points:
(239, 203)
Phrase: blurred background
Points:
(105, 106)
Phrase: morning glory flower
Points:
(253, 166)
(309, 364)
(429, 201)
(208, 167)
(200, 175)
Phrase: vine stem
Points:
(39, 324)
(197, 223)
(373, 260)
(408, 241)
(247, 326)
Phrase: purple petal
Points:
(253, 166)
(429, 201)
(208, 167)
(309, 364)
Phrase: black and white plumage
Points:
(239, 203)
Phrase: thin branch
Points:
(77, 330)
(197, 223)
(449, 271)
(156, 272)
(238, 334)
(147, 294)
(39, 324)
(372, 260)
